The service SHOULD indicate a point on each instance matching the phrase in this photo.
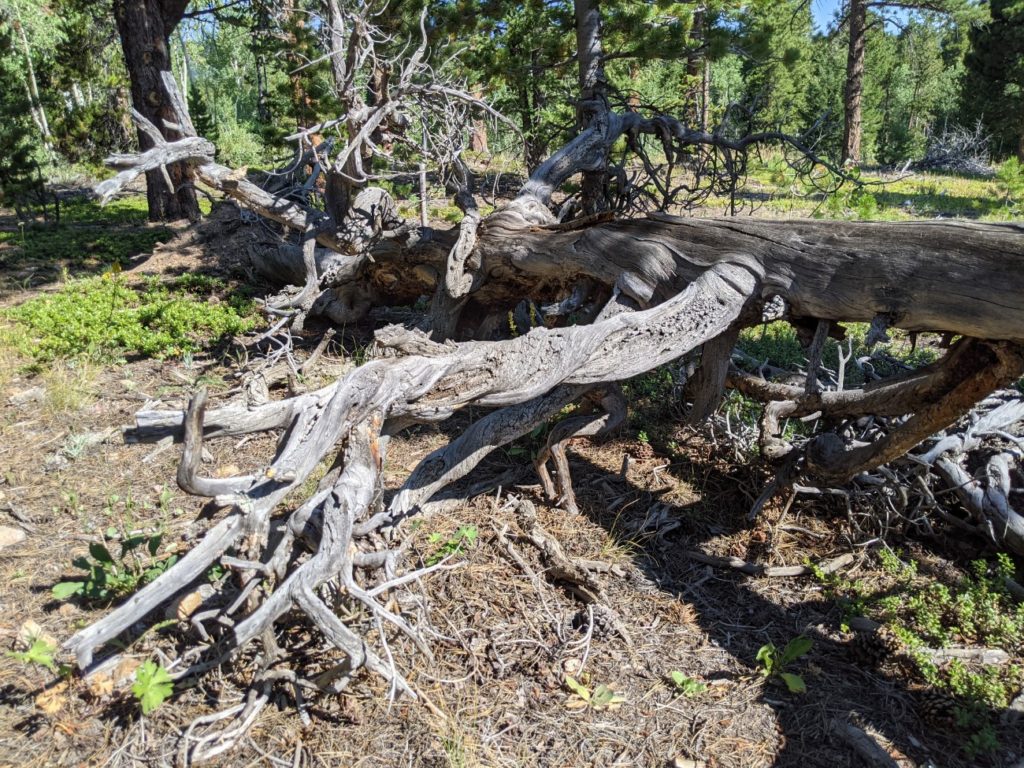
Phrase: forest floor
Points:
(666, 668)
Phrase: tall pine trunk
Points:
(593, 92)
(698, 74)
(145, 27)
(854, 92)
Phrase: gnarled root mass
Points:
(660, 288)
(337, 547)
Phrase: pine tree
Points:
(18, 135)
(778, 71)
(200, 113)
(863, 19)
(994, 84)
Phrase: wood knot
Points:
(825, 452)
(153, 99)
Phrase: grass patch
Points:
(777, 344)
(774, 188)
(125, 210)
(70, 246)
(923, 613)
(88, 236)
(105, 317)
(70, 385)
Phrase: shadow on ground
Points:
(742, 613)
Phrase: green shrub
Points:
(104, 316)
(238, 146)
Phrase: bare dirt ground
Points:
(504, 636)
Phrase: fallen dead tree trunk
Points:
(527, 380)
(659, 288)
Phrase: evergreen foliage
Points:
(994, 85)
(200, 113)
(257, 70)
(778, 69)
(18, 139)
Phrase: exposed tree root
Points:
(675, 285)
(528, 379)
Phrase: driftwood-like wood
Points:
(659, 287)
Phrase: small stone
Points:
(30, 395)
(9, 536)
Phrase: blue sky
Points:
(824, 11)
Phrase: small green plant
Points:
(923, 613)
(601, 697)
(40, 653)
(892, 563)
(465, 537)
(107, 577)
(1010, 178)
(105, 315)
(152, 687)
(531, 444)
(865, 205)
(686, 686)
(774, 662)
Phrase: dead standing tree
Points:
(657, 286)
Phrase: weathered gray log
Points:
(953, 276)
(694, 282)
(488, 374)
(961, 277)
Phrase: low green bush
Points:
(105, 316)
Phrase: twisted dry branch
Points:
(528, 378)
(695, 283)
